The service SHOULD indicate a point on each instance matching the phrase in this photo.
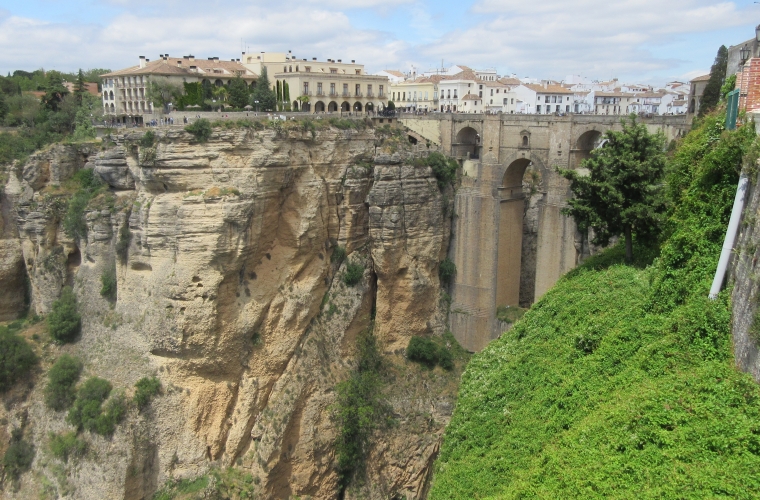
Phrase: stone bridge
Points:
(510, 243)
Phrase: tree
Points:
(279, 95)
(263, 93)
(621, 195)
(238, 93)
(64, 321)
(55, 91)
(286, 94)
(16, 358)
(711, 94)
(162, 92)
(80, 89)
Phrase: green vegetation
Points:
(64, 321)
(727, 87)
(88, 185)
(148, 139)
(89, 412)
(200, 129)
(18, 457)
(163, 92)
(227, 483)
(353, 274)
(338, 255)
(16, 358)
(429, 353)
(63, 376)
(145, 389)
(108, 283)
(444, 169)
(125, 237)
(60, 115)
(238, 93)
(509, 314)
(67, 444)
(262, 92)
(620, 381)
(711, 94)
(446, 271)
(621, 195)
(359, 409)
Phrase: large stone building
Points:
(322, 86)
(125, 92)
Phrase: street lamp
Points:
(744, 54)
(257, 105)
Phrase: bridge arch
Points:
(522, 178)
(466, 143)
(583, 145)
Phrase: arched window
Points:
(525, 141)
(111, 95)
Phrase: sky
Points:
(642, 41)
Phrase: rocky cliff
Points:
(226, 290)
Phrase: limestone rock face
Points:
(228, 293)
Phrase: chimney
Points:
(340, 60)
(191, 57)
(216, 58)
(353, 61)
(179, 63)
(546, 85)
(313, 58)
(142, 61)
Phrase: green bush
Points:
(444, 169)
(145, 389)
(353, 274)
(148, 139)
(422, 350)
(67, 445)
(60, 391)
(108, 283)
(338, 255)
(90, 414)
(429, 353)
(18, 457)
(359, 409)
(16, 358)
(88, 184)
(64, 321)
(200, 129)
(446, 271)
(125, 237)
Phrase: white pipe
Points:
(728, 242)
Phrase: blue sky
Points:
(648, 41)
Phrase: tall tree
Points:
(279, 95)
(622, 194)
(55, 91)
(80, 88)
(711, 94)
(286, 95)
(238, 93)
(263, 93)
(162, 92)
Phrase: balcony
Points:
(320, 92)
(381, 95)
(346, 93)
(307, 93)
(370, 94)
(358, 94)
(333, 93)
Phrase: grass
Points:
(620, 381)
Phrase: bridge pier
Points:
(510, 241)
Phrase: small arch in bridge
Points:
(467, 142)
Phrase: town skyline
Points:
(644, 41)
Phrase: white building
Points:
(393, 76)
(544, 99)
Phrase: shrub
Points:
(108, 283)
(67, 445)
(200, 129)
(88, 184)
(353, 274)
(146, 388)
(422, 350)
(125, 236)
(359, 409)
(148, 139)
(444, 169)
(113, 413)
(338, 255)
(445, 359)
(64, 321)
(87, 408)
(446, 271)
(16, 358)
(19, 455)
(60, 392)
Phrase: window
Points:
(491, 101)
(480, 93)
(538, 108)
(505, 101)
(554, 99)
(546, 99)
(381, 91)
(415, 95)
(558, 107)
(513, 100)
(358, 90)
(332, 89)
(305, 88)
(358, 72)
(480, 87)
(319, 88)
(333, 71)
(345, 89)
(307, 69)
(435, 95)
(455, 93)
(567, 108)
(426, 96)
(394, 96)
(369, 90)
(404, 97)
(525, 141)
(449, 94)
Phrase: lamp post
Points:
(257, 105)
(744, 54)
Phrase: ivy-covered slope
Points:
(620, 382)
